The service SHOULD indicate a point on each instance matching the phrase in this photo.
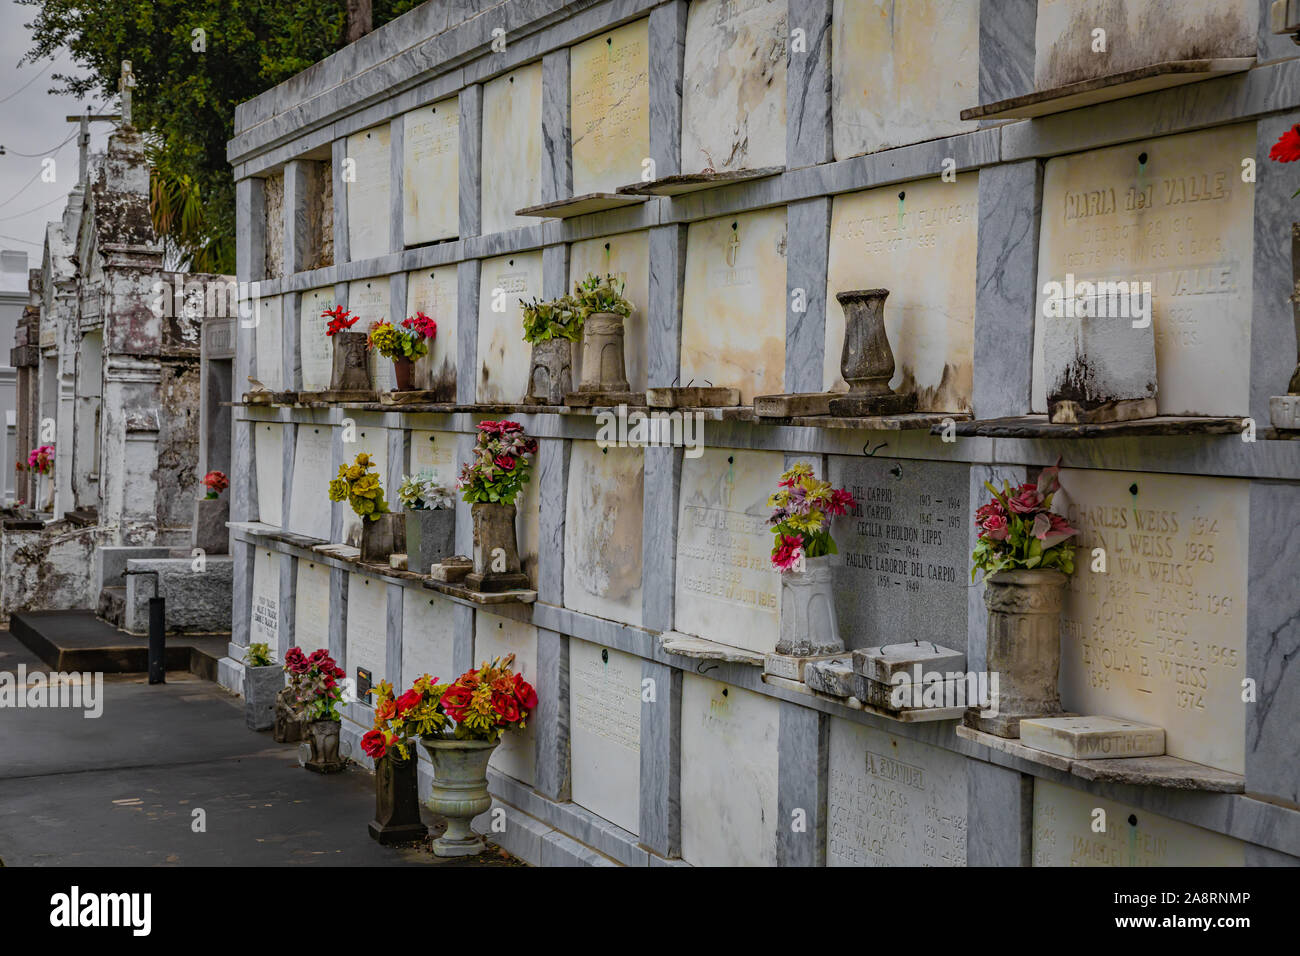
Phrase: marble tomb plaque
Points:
(893, 801)
(605, 732)
(512, 166)
(270, 351)
(733, 95)
(311, 606)
(428, 637)
(922, 249)
(884, 91)
(726, 590)
(264, 627)
(435, 451)
(610, 108)
(434, 292)
(373, 440)
(268, 452)
(627, 258)
(1064, 834)
(367, 627)
(1160, 638)
(368, 193)
(602, 532)
(369, 298)
(317, 354)
(496, 636)
(313, 467)
(728, 774)
(734, 303)
(903, 566)
(503, 355)
(431, 172)
(1183, 222)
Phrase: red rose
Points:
(507, 707)
(525, 693)
(408, 700)
(386, 711)
(995, 526)
(374, 745)
(504, 462)
(1027, 501)
(1287, 148)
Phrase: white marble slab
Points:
(270, 353)
(313, 467)
(317, 354)
(367, 627)
(512, 165)
(610, 108)
(369, 210)
(431, 172)
(496, 636)
(729, 775)
(605, 732)
(434, 292)
(503, 355)
(264, 627)
(428, 635)
(268, 451)
(434, 451)
(602, 532)
(311, 607)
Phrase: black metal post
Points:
(157, 640)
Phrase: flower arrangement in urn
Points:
(350, 371)
(315, 681)
(603, 309)
(1025, 552)
(551, 328)
(399, 721)
(382, 533)
(430, 509)
(802, 507)
(41, 460)
(208, 531)
(216, 482)
(403, 345)
(490, 482)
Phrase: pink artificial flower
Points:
(995, 528)
(1027, 501)
(787, 553)
(1052, 529)
(841, 502)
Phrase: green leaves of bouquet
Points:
(595, 294)
(360, 487)
(559, 318)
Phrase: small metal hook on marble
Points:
(701, 669)
(870, 452)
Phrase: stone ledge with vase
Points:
(211, 513)
(404, 345)
(263, 681)
(350, 379)
(491, 481)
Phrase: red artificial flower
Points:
(1027, 501)
(386, 711)
(374, 744)
(841, 501)
(504, 462)
(294, 661)
(507, 707)
(995, 527)
(525, 693)
(421, 324)
(1287, 148)
(788, 552)
(408, 700)
(339, 320)
(216, 481)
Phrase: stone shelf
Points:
(1037, 426)
(581, 205)
(693, 182)
(919, 715)
(697, 648)
(1073, 96)
(470, 596)
(910, 421)
(1171, 773)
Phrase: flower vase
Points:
(460, 791)
(397, 801)
(323, 736)
(550, 372)
(496, 550)
(384, 536)
(261, 685)
(809, 627)
(404, 374)
(351, 370)
(209, 531)
(430, 537)
(1024, 649)
(288, 718)
(867, 361)
(603, 367)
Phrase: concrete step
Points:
(80, 641)
(112, 605)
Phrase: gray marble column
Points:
(552, 715)
(288, 445)
(397, 180)
(557, 162)
(297, 236)
(399, 453)
(462, 647)
(467, 283)
(553, 484)
(338, 455)
(1006, 50)
(291, 339)
(393, 650)
(667, 62)
(808, 231)
(339, 153)
(667, 277)
(471, 170)
(555, 270)
(999, 815)
(661, 759)
(808, 86)
(288, 605)
(464, 522)
(338, 617)
(1006, 287)
(663, 470)
(803, 755)
(1272, 330)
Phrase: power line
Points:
(52, 149)
(28, 242)
(23, 187)
(19, 215)
(28, 83)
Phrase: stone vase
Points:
(603, 368)
(288, 718)
(351, 370)
(430, 537)
(397, 801)
(496, 549)
(404, 374)
(460, 791)
(1024, 649)
(323, 736)
(550, 372)
(384, 536)
(261, 685)
(867, 361)
(209, 530)
(809, 627)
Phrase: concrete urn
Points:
(550, 372)
(209, 530)
(288, 718)
(866, 360)
(351, 371)
(496, 549)
(460, 791)
(397, 801)
(323, 738)
(384, 536)
(430, 537)
(603, 368)
(1024, 649)
(809, 627)
(261, 687)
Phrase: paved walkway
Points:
(122, 789)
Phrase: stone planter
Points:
(397, 801)
(808, 624)
(603, 368)
(288, 718)
(323, 736)
(460, 791)
(351, 368)
(404, 374)
(867, 362)
(209, 530)
(384, 536)
(1024, 649)
(261, 685)
(496, 550)
(550, 372)
(430, 537)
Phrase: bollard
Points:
(157, 643)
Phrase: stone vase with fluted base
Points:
(397, 801)
(550, 372)
(460, 791)
(496, 549)
(1024, 649)
(603, 367)
(323, 737)
(809, 627)
(867, 361)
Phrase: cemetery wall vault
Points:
(778, 153)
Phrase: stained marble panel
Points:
(627, 258)
(317, 353)
(496, 636)
(313, 467)
(267, 337)
(264, 627)
(268, 452)
(311, 607)
(435, 451)
(605, 732)
(610, 108)
(369, 210)
(367, 627)
(503, 355)
(512, 166)
(602, 532)
(428, 634)
(431, 172)
(433, 292)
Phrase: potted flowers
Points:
(263, 680)
(491, 481)
(482, 704)
(41, 461)
(430, 520)
(350, 372)
(551, 328)
(801, 511)
(315, 681)
(211, 512)
(1025, 553)
(382, 533)
(403, 344)
(603, 308)
(398, 722)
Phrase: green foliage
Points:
(595, 294)
(360, 487)
(258, 655)
(558, 318)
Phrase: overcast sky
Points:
(32, 122)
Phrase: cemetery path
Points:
(125, 788)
